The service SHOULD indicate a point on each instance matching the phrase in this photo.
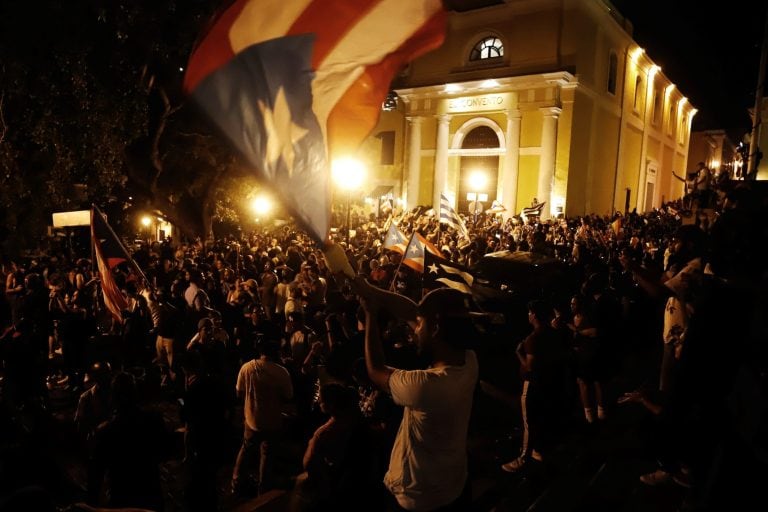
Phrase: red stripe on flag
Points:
(113, 297)
(357, 112)
(338, 17)
(214, 50)
(429, 246)
(113, 262)
(416, 264)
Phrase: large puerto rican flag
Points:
(294, 83)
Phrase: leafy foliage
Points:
(91, 110)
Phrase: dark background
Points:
(712, 53)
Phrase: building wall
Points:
(582, 157)
(762, 143)
(576, 142)
(715, 149)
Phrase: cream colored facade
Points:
(762, 142)
(560, 135)
(715, 149)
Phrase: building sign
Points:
(75, 218)
(477, 103)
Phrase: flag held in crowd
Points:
(414, 253)
(109, 254)
(496, 207)
(449, 216)
(616, 226)
(395, 239)
(294, 82)
(533, 211)
(439, 272)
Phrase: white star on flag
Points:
(282, 132)
(433, 269)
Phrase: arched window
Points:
(682, 125)
(671, 118)
(638, 98)
(613, 65)
(488, 48)
(656, 106)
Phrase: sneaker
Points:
(589, 414)
(658, 477)
(515, 465)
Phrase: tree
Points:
(91, 110)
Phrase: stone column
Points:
(414, 160)
(511, 164)
(441, 159)
(547, 158)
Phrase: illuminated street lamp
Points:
(261, 205)
(146, 221)
(348, 173)
(477, 182)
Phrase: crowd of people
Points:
(264, 331)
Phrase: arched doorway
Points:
(475, 158)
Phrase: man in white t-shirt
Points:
(265, 386)
(428, 464)
(686, 248)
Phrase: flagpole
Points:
(130, 258)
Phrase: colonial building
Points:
(547, 99)
(715, 149)
(762, 143)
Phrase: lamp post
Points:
(477, 182)
(261, 206)
(146, 221)
(348, 173)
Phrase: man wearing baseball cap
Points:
(428, 464)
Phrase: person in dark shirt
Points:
(539, 359)
(128, 450)
(204, 409)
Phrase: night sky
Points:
(712, 53)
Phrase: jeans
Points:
(259, 445)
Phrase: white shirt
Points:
(428, 465)
(190, 293)
(676, 311)
(266, 386)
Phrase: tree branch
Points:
(157, 160)
(3, 126)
